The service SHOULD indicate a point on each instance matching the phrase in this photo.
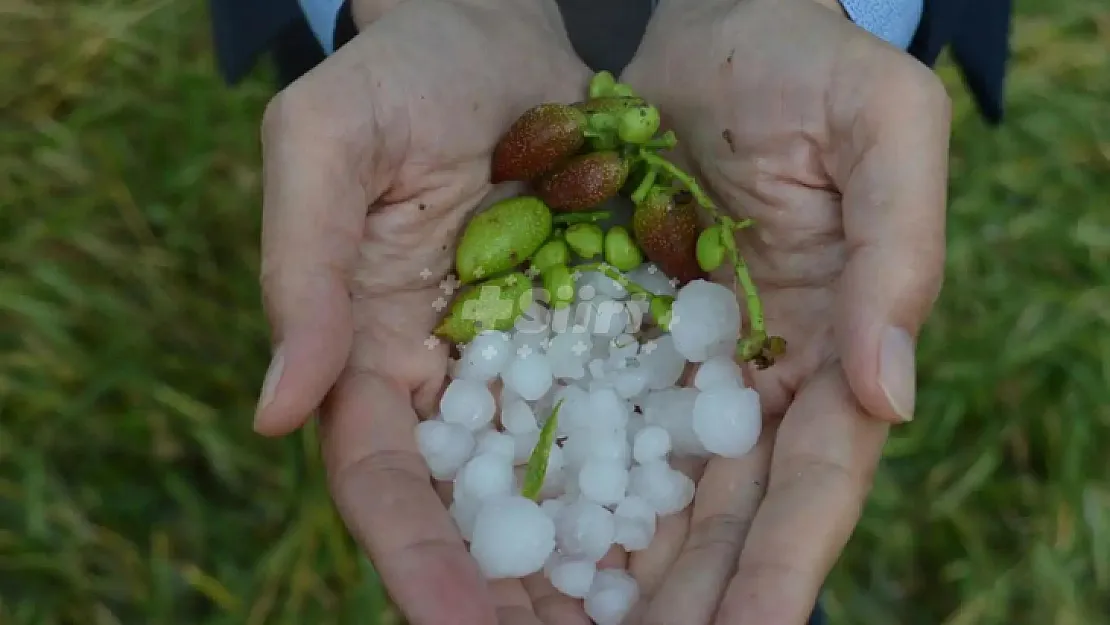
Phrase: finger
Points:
(892, 157)
(551, 606)
(382, 488)
(313, 209)
(651, 566)
(513, 605)
(729, 493)
(825, 455)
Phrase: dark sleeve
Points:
(979, 34)
(243, 30)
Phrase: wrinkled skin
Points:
(373, 161)
(836, 144)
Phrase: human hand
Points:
(836, 145)
(372, 163)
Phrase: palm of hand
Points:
(762, 123)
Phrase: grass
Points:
(131, 346)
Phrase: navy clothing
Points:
(977, 31)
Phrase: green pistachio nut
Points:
(554, 252)
(638, 125)
(622, 90)
(711, 248)
(502, 237)
(587, 240)
(491, 305)
(602, 84)
(621, 251)
(558, 282)
(660, 309)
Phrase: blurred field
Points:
(131, 345)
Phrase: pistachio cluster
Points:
(576, 157)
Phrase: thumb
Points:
(894, 179)
(313, 210)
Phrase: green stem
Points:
(645, 185)
(737, 225)
(581, 218)
(616, 276)
(667, 141)
(686, 179)
(751, 346)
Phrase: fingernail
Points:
(898, 371)
(270, 382)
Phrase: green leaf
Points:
(537, 463)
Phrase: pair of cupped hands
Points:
(832, 141)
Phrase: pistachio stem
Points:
(581, 218)
(744, 280)
(686, 179)
(616, 276)
(666, 141)
(645, 185)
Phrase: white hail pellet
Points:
(620, 351)
(572, 577)
(611, 596)
(552, 507)
(609, 410)
(534, 341)
(662, 362)
(512, 537)
(517, 417)
(603, 444)
(636, 422)
(727, 420)
(718, 371)
(524, 443)
(630, 381)
(528, 375)
(651, 443)
(485, 476)
(533, 328)
(444, 446)
(555, 459)
(666, 490)
(650, 277)
(601, 286)
(574, 412)
(673, 409)
(464, 510)
(494, 442)
(467, 403)
(610, 318)
(543, 406)
(485, 356)
(597, 369)
(635, 523)
(603, 481)
(568, 354)
(585, 529)
(705, 320)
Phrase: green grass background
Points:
(131, 346)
